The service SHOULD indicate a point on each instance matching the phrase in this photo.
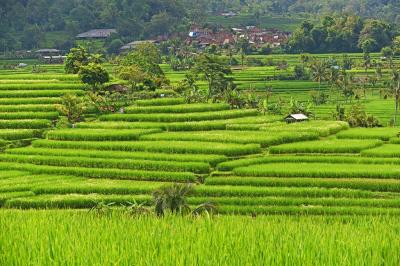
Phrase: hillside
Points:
(36, 24)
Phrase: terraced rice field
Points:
(244, 162)
(28, 103)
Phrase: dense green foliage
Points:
(341, 34)
(325, 241)
(36, 24)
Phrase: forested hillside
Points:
(28, 24)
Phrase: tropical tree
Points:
(146, 57)
(133, 74)
(172, 198)
(394, 88)
(94, 75)
(345, 85)
(76, 58)
(214, 72)
(73, 107)
(367, 62)
(318, 72)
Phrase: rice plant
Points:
(243, 137)
(320, 170)
(167, 166)
(29, 115)
(160, 101)
(383, 185)
(98, 134)
(217, 115)
(334, 240)
(207, 158)
(181, 108)
(25, 124)
(228, 149)
(326, 146)
(370, 133)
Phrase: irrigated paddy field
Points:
(346, 181)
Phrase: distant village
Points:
(199, 37)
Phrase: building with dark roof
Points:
(96, 34)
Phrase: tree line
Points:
(346, 33)
(23, 23)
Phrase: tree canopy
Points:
(341, 34)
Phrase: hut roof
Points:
(132, 45)
(96, 33)
(298, 117)
(47, 51)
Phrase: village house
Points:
(293, 118)
(228, 14)
(96, 34)
(132, 45)
(50, 56)
(256, 36)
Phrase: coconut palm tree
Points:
(318, 71)
(394, 87)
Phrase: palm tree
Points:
(345, 84)
(394, 88)
(318, 70)
(172, 198)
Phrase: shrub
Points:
(94, 75)
(72, 107)
(357, 117)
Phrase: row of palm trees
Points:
(345, 82)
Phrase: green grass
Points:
(23, 101)
(36, 76)
(228, 149)
(207, 158)
(28, 108)
(387, 150)
(29, 115)
(202, 241)
(25, 124)
(168, 166)
(37, 93)
(370, 133)
(384, 185)
(243, 137)
(40, 86)
(101, 172)
(15, 134)
(98, 134)
(229, 165)
(322, 128)
(320, 170)
(77, 201)
(165, 117)
(160, 102)
(181, 108)
(326, 146)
